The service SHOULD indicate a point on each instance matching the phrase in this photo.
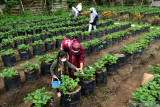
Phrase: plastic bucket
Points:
(55, 84)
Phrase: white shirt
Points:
(79, 7)
(74, 12)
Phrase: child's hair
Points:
(70, 6)
(61, 54)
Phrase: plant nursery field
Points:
(125, 45)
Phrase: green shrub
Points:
(47, 58)
(23, 47)
(7, 52)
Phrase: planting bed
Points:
(113, 87)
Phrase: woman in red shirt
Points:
(75, 53)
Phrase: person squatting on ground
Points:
(93, 19)
(75, 54)
(74, 11)
(59, 67)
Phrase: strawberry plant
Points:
(40, 97)
(7, 41)
(18, 38)
(7, 52)
(85, 45)
(60, 37)
(154, 69)
(30, 67)
(23, 47)
(47, 58)
(49, 40)
(108, 38)
(88, 74)
(9, 73)
(110, 59)
(37, 43)
(94, 42)
(99, 66)
(68, 84)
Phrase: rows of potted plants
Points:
(132, 50)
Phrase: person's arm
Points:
(52, 68)
(82, 59)
(71, 65)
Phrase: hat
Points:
(76, 46)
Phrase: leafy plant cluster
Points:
(7, 52)
(40, 97)
(9, 73)
(23, 47)
(94, 42)
(109, 59)
(88, 74)
(38, 43)
(30, 67)
(68, 84)
(99, 66)
(85, 45)
(116, 35)
(154, 69)
(47, 58)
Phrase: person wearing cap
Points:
(93, 19)
(75, 53)
(74, 11)
(79, 7)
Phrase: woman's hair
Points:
(61, 54)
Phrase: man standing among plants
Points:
(75, 53)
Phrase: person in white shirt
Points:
(74, 11)
(79, 7)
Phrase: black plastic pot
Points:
(9, 60)
(87, 52)
(49, 46)
(38, 50)
(71, 100)
(27, 41)
(24, 55)
(16, 44)
(111, 68)
(114, 41)
(36, 39)
(44, 37)
(153, 40)
(32, 76)
(135, 54)
(129, 58)
(101, 77)
(121, 60)
(45, 69)
(21, 33)
(79, 38)
(109, 43)
(104, 43)
(95, 49)
(88, 87)
(6, 47)
(58, 43)
(13, 83)
(86, 37)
